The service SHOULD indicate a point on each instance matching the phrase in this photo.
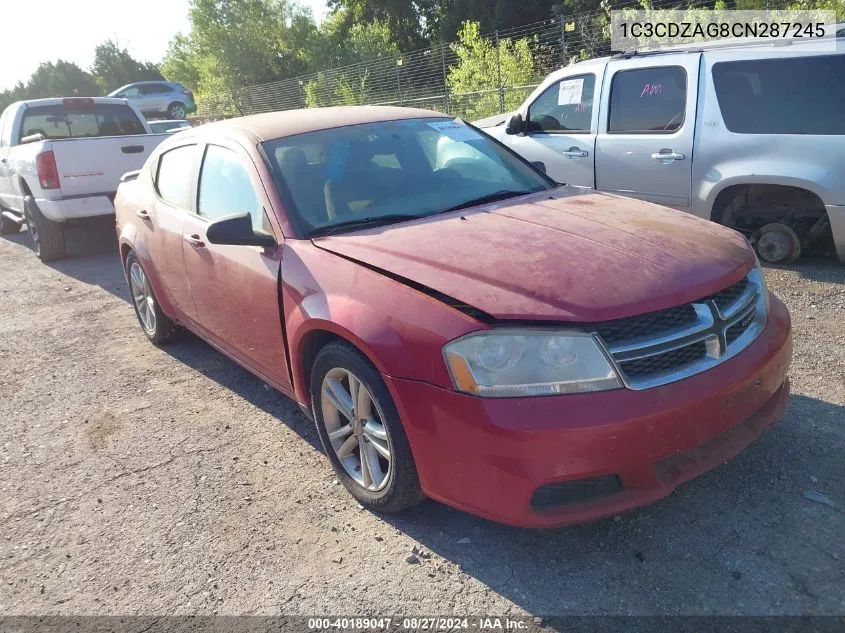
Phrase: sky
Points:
(70, 30)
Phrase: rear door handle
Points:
(667, 156)
(132, 149)
(143, 214)
(576, 152)
(194, 240)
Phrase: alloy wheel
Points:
(143, 297)
(354, 423)
(177, 112)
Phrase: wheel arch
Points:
(309, 343)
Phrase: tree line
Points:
(112, 68)
(233, 44)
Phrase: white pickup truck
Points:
(61, 160)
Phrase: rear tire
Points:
(7, 226)
(48, 237)
(176, 111)
(399, 488)
(158, 327)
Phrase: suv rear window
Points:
(795, 95)
(80, 121)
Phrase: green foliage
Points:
(350, 85)
(115, 67)
(112, 68)
(478, 71)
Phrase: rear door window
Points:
(81, 121)
(175, 176)
(155, 89)
(225, 187)
(566, 106)
(787, 95)
(648, 100)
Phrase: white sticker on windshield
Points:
(455, 130)
(570, 91)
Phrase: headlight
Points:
(528, 362)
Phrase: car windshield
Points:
(349, 177)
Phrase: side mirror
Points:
(236, 230)
(515, 124)
(539, 166)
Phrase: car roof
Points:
(145, 83)
(273, 125)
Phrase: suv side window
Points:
(794, 95)
(173, 183)
(225, 188)
(565, 106)
(155, 89)
(648, 100)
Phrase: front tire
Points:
(48, 237)
(361, 431)
(176, 111)
(158, 327)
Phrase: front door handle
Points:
(194, 240)
(667, 156)
(143, 214)
(576, 152)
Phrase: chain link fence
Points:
(504, 67)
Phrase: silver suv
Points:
(157, 98)
(751, 136)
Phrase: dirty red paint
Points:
(563, 256)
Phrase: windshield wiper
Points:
(504, 194)
(351, 225)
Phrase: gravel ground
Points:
(137, 480)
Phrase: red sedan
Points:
(458, 325)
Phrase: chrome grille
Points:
(662, 347)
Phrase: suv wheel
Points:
(176, 111)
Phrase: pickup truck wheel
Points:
(48, 237)
(8, 227)
(176, 111)
(361, 431)
(156, 324)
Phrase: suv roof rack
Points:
(700, 47)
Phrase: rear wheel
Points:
(156, 324)
(361, 432)
(176, 111)
(48, 237)
(778, 244)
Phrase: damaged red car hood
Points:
(564, 255)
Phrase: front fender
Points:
(399, 329)
(810, 177)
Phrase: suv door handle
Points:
(576, 152)
(194, 240)
(667, 156)
(143, 214)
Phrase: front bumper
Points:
(75, 208)
(490, 456)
